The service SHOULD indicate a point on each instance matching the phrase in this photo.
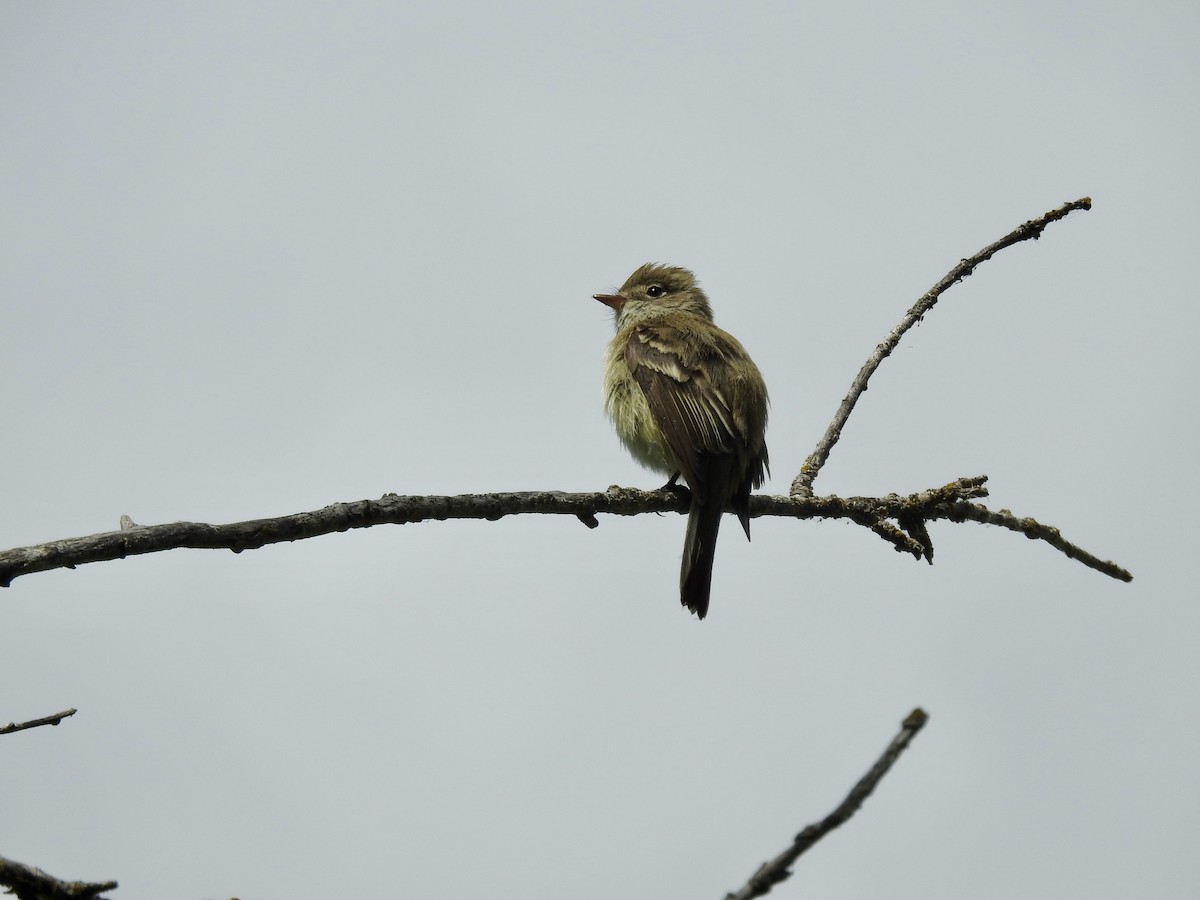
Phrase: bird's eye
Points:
(655, 290)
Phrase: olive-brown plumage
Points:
(686, 399)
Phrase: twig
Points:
(1036, 531)
(903, 543)
(34, 723)
(802, 485)
(950, 501)
(29, 883)
(778, 869)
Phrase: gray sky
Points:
(264, 257)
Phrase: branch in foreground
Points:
(951, 501)
(802, 485)
(34, 723)
(33, 884)
(778, 869)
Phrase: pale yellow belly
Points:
(630, 413)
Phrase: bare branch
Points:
(33, 884)
(391, 509)
(34, 723)
(802, 485)
(950, 501)
(778, 869)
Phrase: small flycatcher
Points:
(686, 399)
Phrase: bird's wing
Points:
(691, 411)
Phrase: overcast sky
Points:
(263, 257)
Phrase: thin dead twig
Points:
(1031, 230)
(779, 869)
(34, 723)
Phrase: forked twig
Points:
(901, 521)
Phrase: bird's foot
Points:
(679, 490)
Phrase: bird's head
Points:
(653, 290)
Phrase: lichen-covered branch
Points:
(28, 883)
(951, 501)
(778, 869)
(1031, 230)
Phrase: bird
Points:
(686, 400)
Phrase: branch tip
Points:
(36, 723)
(29, 883)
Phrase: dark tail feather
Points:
(741, 505)
(741, 499)
(695, 579)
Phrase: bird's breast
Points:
(630, 412)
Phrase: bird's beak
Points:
(616, 301)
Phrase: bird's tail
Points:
(699, 546)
